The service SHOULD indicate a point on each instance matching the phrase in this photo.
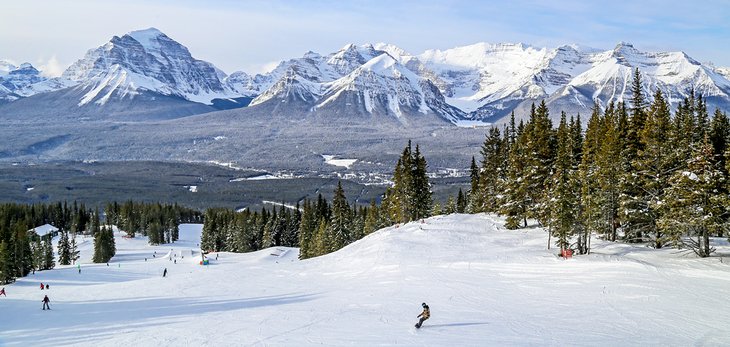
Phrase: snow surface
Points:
(485, 286)
(346, 163)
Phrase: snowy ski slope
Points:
(485, 286)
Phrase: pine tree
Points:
(653, 165)
(423, 200)
(490, 179)
(7, 274)
(474, 193)
(608, 173)
(460, 202)
(540, 150)
(693, 206)
(564, 190)
(372, 219)
(49, 261)
(339, 230)
(514, 200)
(64, 252)
(73, 249)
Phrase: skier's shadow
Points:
(453, 325)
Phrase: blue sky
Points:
(253, 35)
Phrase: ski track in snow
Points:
(485, 285)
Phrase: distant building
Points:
(44, 230)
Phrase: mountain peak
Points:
(147, 37)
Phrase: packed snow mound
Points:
(485, 285)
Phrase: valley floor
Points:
(485, 285)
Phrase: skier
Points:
(45, 303)
(47, 286)
(164, 273)
(42, 286)
(426, 314)
(2, 292)
(175, 261)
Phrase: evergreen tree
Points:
(7, 274)
(339, 230)
(653, 165)
(372, 219)
(564, 190)
(490, 179)
(694, 207)
(474, 193)
(64, 252)
(540, 150)
(73, 249)
(49, 261)
(460, 202)
(514, 199)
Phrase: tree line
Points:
(22, 251)
(320, 227)
(636, 174)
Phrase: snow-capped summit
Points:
(24, 80)
(146, 60)
(384, 85)
(674, 73)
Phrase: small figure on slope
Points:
(426, 314)
(45, 303)
(2, 292)
(42, 286)
(164, 273)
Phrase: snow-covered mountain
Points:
(24, 80)
(147, 60)
(479, 82)
(356, 82)
(385, 86)
(489, 81)
(611, 73)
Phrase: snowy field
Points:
(485, 286)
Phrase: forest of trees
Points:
(22, 251)
(320, 227)
(636, 174)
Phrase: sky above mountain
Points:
(254, 35)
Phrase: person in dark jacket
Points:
(164, 273)
(2, 292)
(45, 303)
(426, 314)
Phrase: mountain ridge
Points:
(481, 82)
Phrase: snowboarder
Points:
(45, 303)
(426, 314)
(2, 292)
(42, 286)
(164, 273)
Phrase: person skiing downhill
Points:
(2, 292)
(45, 303)
(42, 286)
(164, 273)
(426, 314)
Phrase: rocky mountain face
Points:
(476, 83)
(146, 60)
